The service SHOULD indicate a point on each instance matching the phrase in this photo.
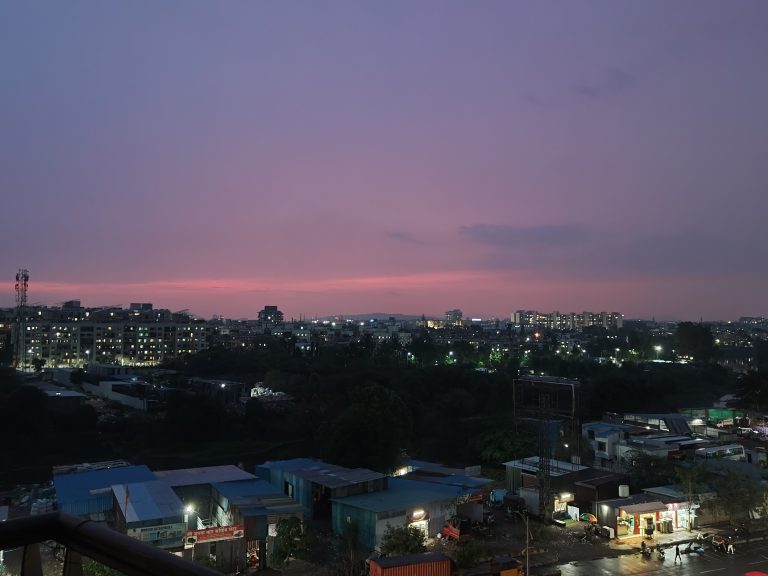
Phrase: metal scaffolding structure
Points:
(20, 349)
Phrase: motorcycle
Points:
(693, 548)
(660, 555)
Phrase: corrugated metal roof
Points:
(403, 493)
(77, 487)
(392, 561)
(142, 501)
(556, 467)
(452, 480)
(273, 507)
(204, 475)
(243, 490)
(324, 474)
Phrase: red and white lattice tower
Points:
(20, 348)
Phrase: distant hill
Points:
(374, 316)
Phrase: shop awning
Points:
(645, 507)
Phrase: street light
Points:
(524, 516)
(658, 349)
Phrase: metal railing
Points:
(84, 538)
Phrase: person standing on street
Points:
(677, 554)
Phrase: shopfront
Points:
(678, 515)
(639, 519)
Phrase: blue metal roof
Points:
(454, 480)
(144, 501)
(293, 464)
(77, 488)
(204, 475)
(403, 493)
(243, 490)
(273, 509)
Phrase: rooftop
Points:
(452, 480)
(556, 467)
(79, 486)
(324, 474)
(239, 491)
(394, 561)
(403, 493)
(142, 501)
(204, 475)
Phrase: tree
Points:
(502, 444)
(402, 540)
(254, 415)
(738, 496)
(646, 470)
(38, 364)
(93, 568)
(469, 553)
(372, 432)
(695, 340)
(691, 477)
(352, 556)
(753, 389)
(290, 541)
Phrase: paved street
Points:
(747, 557)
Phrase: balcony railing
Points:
(84, 538)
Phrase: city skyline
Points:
(347, 158)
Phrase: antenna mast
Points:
(20, 348)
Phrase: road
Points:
(748, 557)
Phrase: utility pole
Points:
(545, 452)
(524, 516)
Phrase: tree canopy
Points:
(402, 540)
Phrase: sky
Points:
(410, 156)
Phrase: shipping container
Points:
(427, 564)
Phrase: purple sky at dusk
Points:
(402, 156)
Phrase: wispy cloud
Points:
(508, 236)
(402, 236)
(611, 83)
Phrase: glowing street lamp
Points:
(658, 349)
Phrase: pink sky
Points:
(403, 157)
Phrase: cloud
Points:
(612, 82)
(507, 236)
(572, 251)
(406, 237)
(533, 99)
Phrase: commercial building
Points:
(219, 512)
(314, 483)
(425, 505)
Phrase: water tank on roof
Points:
(623, 491)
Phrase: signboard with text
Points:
(193, 537)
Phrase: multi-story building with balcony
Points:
(568, 321)
(140, 336)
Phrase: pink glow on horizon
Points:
(477, 293)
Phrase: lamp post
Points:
(524, 516)
(658, 349)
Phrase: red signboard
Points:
(215, 533)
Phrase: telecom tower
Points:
(22, 282)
